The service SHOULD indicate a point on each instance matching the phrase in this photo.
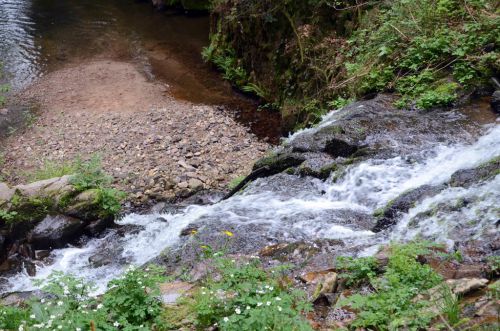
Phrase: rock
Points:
(466, 285)
(337, 147)
(189, 230)
(57, 186)
(85, 206)
(467, 177)
(97, 227)
(6, 192)
(170, 292)
(55, 232)
(42, 254)
(195, 184)
(279, 162)
(321, 284)
(16, 299)
(387, 216)
(495, 101)
(4, 111)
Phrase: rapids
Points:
(289, 208)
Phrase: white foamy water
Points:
(320, 210)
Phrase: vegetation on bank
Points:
(86, 176)
(243, 295)
(304, 57)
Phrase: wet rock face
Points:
(388, 216)
(495, 102)
(467, 177)
(371, 128)
(55, 232)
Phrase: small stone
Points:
(195, 184)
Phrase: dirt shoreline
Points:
(156, 147)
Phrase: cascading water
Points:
(287, 208)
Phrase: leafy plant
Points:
(391, 305)
(355, 271)
(130, 303)
(90, 174)
(7, 216)
(247, 297)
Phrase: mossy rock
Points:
(279, 162)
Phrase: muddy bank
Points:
(155, 146)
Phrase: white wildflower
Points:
(268, 303)
(259, 304)
(237, 311)
(279, 308)
(60, 303)
(226, 319)
(32, 316)
(116, 324)
(278, 299)
(99, 306)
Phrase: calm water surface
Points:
(38, 36)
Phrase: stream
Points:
(289, 208)
(41, 35)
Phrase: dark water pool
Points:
(38, 36)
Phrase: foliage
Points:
(133, 298)
(429, 52)
(90, 174)
(391, 305)
(7, 216)
(246, 297)
(130, 303)
(355, 271)
(4, 88)
(109, 201)
(225, 59)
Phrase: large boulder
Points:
(55, 232)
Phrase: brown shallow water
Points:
(40, 36)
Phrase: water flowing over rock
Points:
(407, 164)
(43, 215)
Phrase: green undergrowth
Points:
(245, 296)
(391, 303)
(310, 56)
(130, 303)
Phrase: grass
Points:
(52, 169)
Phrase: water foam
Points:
(310, 213)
